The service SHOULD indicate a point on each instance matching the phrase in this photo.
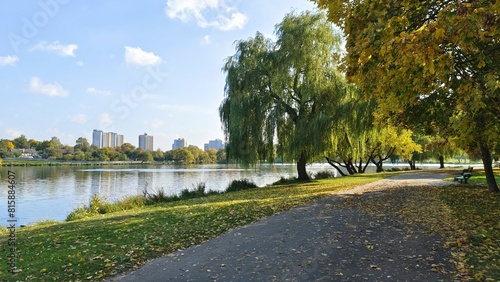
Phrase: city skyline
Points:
(146, 142)
(130, 67)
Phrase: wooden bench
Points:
(464, 176)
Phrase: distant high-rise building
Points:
(97, 138)
(120, 139)
(146, 142)
(216, 144)
(179, 143)
(106, 139)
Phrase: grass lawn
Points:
(100, 246)
(96, 247)
(478, 214)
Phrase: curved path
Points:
(318, 242)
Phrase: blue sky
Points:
(68, 67)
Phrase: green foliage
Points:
(98, 205)
(82, 144)
(145, 156)
(445, 50)
(325, 174)
(159, 197)
(83, 151)
(238, 185)
(286, 91)
(79, 213)
(286, 181)
(21, 142)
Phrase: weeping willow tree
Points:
(286, 92)
(363, 138)
(354, 130)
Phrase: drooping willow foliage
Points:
(289, 92)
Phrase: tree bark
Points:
(301, 168)
(378, 163)
(336, 166)
(412, 164)
(488, 169)
(441, 161)
(350, 167)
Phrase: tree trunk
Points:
(412, 164)
(301, 168)
(378, 163)
(336, 166)
(366, 165)
(350, 167)
(441, 162)
(488, 169)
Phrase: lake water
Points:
(52, 192)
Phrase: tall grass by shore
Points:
(99, 205)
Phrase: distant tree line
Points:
(82, 151)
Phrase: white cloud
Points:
(80, 118)
(207, 13)
(207, 39)
(13, 132)
(80, 63)
(140, 57)
(52, 90)
(237, 21)
(9, 60)
(92, 90)
(56, 47)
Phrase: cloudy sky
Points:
(68, 67)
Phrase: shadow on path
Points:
(318, 242)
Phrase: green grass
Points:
(478, 212)
(103, 245)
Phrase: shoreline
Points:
(47, 162)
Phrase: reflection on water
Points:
(52, 192)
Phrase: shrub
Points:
(79, 213)
(284, 181)
(160, 197)
(98, 205)
(238, 185)
(131, 202)
(324, 174)
(200, 189)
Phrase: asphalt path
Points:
(318, 242)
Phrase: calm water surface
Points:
(52, 192)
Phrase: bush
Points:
(131, 202)
(238, 185)
(324, 174)
(284, 181)
(160, 197)
(79, 213)
(98, 205)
